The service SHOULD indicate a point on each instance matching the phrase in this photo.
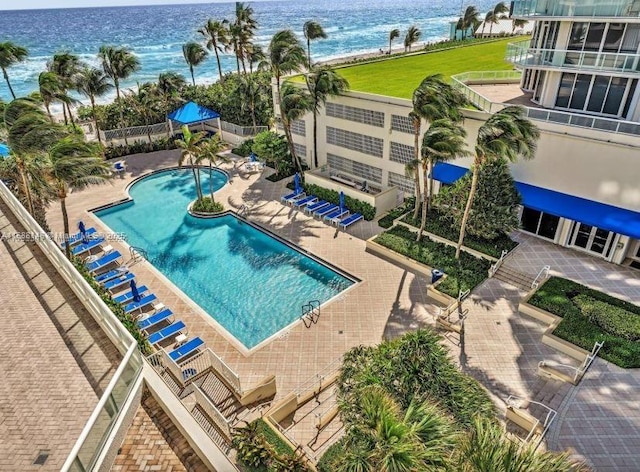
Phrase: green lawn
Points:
(399, 77)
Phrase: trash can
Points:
(436, 275)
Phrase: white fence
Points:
(92, 440)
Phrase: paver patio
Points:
(500, 347)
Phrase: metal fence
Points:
(242, 131)
(577, 120)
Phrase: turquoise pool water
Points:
(251, 283)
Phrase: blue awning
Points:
(4, 150)
(609, 217)
(192, 113)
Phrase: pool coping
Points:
(224, 332)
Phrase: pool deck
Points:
(501, 348)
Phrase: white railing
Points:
(134, 131)
(543, 274)
(242, 131)
(516, 402)
(212, 412)
(93, 436)
(494, 268)
(582, 368)
(577, 8)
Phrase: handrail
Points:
(543, 272)
(550, 416)
(582, 368)
(203, 401)
(494, 268)
(137, 252)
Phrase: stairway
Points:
(220, 395)
(515, 278)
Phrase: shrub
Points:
(353, 204)
(328, 461)
(387, 220)
(275, 177)
(206, 205)
(574, 303)
(137, 147)
(462, 275)
(244, 149)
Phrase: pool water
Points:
(248, 281)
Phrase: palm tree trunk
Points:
(315, 138)
(237, 58)
(389, 46)
(64, 113)
(215, 49)
(425, 200)
(117, 84)
(416, 144)
(252, 107)
(6, 77)
(467, 210)
(193, 78)
(70, 114)
(95, 121)
(25, 186)
(308, 54)
(65, 221)
(287, 131)
(211, 181)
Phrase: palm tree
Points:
(215, 34)
(295, 102)
(118, 63)
(250, 91)
(66, 66)
(498, 12)
(255, 55)
(190, 148)
(443, 141)
(412, 36)
(235, 39)
(393, 34)
(50, 90)
(93, 83)
(286, 54)
(508, 134)
(470, 18)
(72, 164)
(312, 30)
(170, 84)
(488, 18)
(242, 32)
(209, 151)
(11, 54)
(145, 101)
(194, 54)
(517, 23)
(322, 83)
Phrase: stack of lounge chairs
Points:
(154, 319)
(321, 209)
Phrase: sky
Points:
(31, 4)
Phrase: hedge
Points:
(330, 456)
(353, 205)
(138, 147)
(206, 205)
(465, 274)
(589, 316)
(441, 226)
(244, 150)
(387, 220)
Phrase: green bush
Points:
(462, 275)
(328, 461)
(574, 303)
(275, 177)
(137, 147)
(441, 226)
(206, 205)
(244, 150)
(353, 205)
(387, 220)
(126, 319)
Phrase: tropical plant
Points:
(210, 151)
(412, 37)
(489, 18)
(194, 55)
(189, 147)
(274, 150)
(66, 66)
(118, 64)
(11, 54)
(393, 34)
(170, 87)
(147, 101)
(470, 18)
(93, 83)
(215, 34)
(250, 91)
(517, 23)
(241, 33)
(256, 55)
(322, 83)
(312, 30)
(72, 164)
(295, 102)
(507, 134)
(443, 141)
(498, 13)
(50, 89)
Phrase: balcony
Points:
(577, 8)
(521, 55)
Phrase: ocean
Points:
(156, 33)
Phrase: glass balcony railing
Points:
(522, 55)
(577, 8)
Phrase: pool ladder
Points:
(310, 313)
(138, 253)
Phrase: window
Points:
(355, 141)
(612, 41)
(403, 124)
(616, 93)
(631, 38)
(564, 93)
(401, 153)
(580, 91)
(402, 182)
(540, 223)
(578, 33)
(594, 36)
(357, 169)
(359, 115)
(596, 94)
(299, 127)
(301, 150)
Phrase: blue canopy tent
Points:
(192, 114)
(4, 150)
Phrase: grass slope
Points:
(399, 77)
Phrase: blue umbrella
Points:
(83, 231)
(341, 201)
(296, 183)
(134, 291)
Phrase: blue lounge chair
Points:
(85, 247)
(166, 333)
(344, 224)
(293, 195)
(316, 206)
(117, 282)
(144, 302)
(127, 297)
(336, 214)
(103, 262)
(326, 210)
(77, 238)
(186, 349)
(305, 201)
(154, 319)
(294, 198)
(112, 274)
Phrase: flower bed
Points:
(589, 316)
(207, 205)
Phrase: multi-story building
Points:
(578, 81)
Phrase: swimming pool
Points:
(248, 281)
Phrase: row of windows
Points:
(357, 169)
(301, 150)
(401, 153)
(355, 141)
(598, 94)
(359, 115)
(605, 37)
(404, 124)
(299, 127)
(402, 182)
